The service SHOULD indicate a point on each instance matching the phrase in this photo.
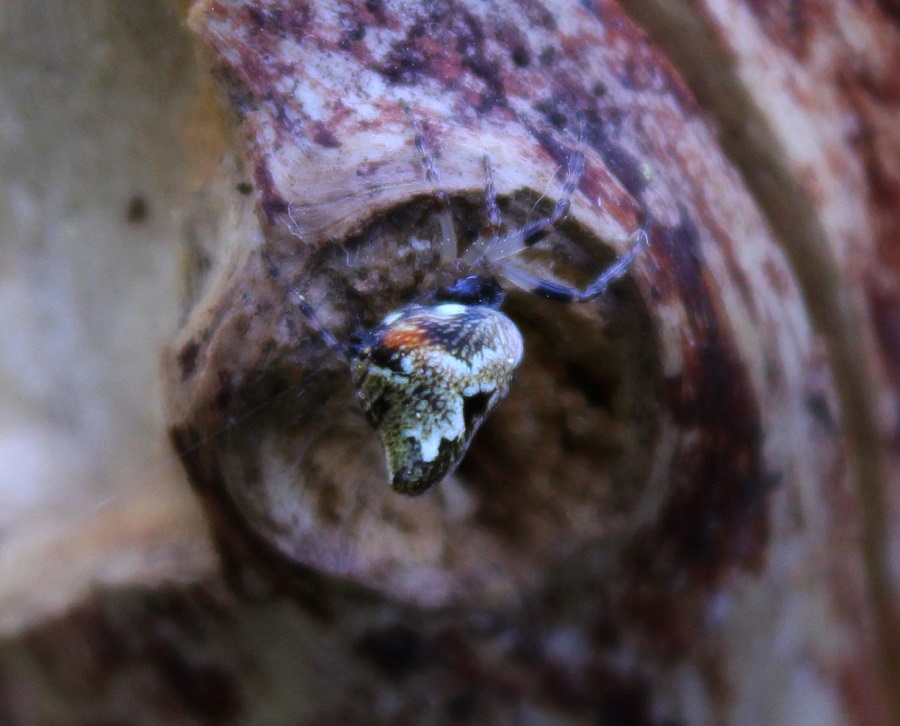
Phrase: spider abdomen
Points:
(426, 377)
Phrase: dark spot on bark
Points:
(187, 359)
(605, 634)
(470, 45)
(376, 7)
(891, 8)
(271, 204)
(599, 89)
(447, 47)
(511, 36)
(403, 66)
(207, 690)
(621, 699)
(225, 393)
(324, 136)
(354, 35)
(396, 650)
(820, 408)
(521, 56)
(244, 188)
(552, 114)
(240, 96)
(536, 13)
(626, 168)
(563, 688)
(640, 74)
(137, 209)
(597, 392)
(281, 21)
(358, 33)
(463, 706)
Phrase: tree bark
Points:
(687, 509)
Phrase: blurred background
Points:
(105, 135)
(95, 106)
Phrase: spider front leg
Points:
(492, 212)
(566, 293)
(492, 220)
(449, 245)
(520, 239)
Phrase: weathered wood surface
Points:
(685, 512)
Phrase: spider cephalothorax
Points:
(428, 375)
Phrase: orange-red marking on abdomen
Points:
(408, 336)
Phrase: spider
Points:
(427, 376)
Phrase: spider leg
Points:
(303, 305)
(519, 239)
(493, 219)
(566, 293)
(445, 216)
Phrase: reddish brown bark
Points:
(686, 510)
